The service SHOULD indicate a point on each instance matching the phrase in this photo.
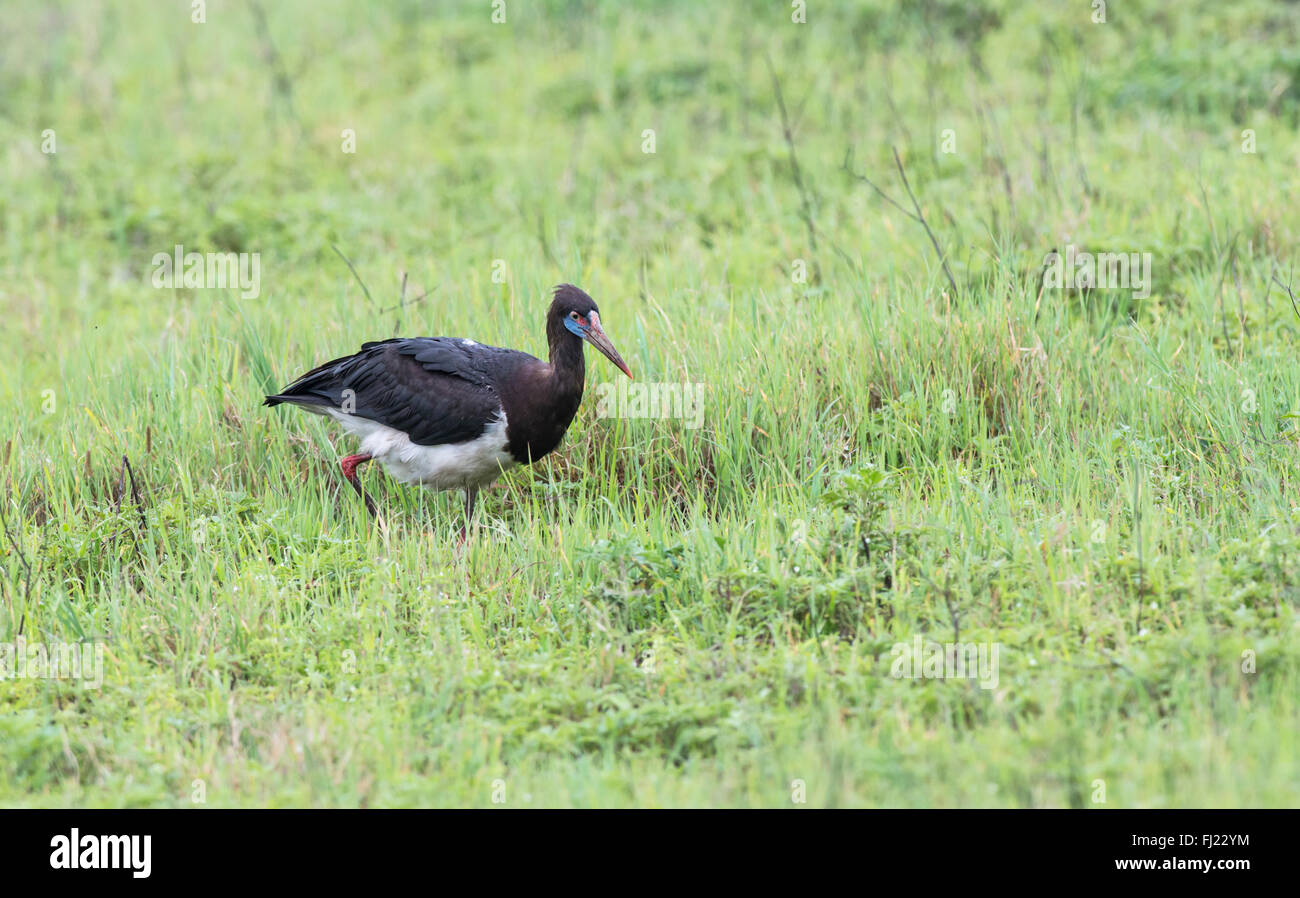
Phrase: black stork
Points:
(450, 413)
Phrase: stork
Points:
(449, 413)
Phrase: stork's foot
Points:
(349, 466)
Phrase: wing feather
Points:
(435, 389)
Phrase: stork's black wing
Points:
(434, 389)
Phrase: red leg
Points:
(351, 463)
(349, 466)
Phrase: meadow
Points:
(905, 432)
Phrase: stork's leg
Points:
(470, 495)
(349, 466)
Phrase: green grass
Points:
(1105, 486)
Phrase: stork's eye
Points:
(573, 315)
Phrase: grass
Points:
(1102, 485)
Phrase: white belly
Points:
(469, 465)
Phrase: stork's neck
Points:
(568, 367)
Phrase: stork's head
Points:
(580, 317)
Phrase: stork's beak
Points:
(596, 336)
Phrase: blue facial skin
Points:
(575, 328)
